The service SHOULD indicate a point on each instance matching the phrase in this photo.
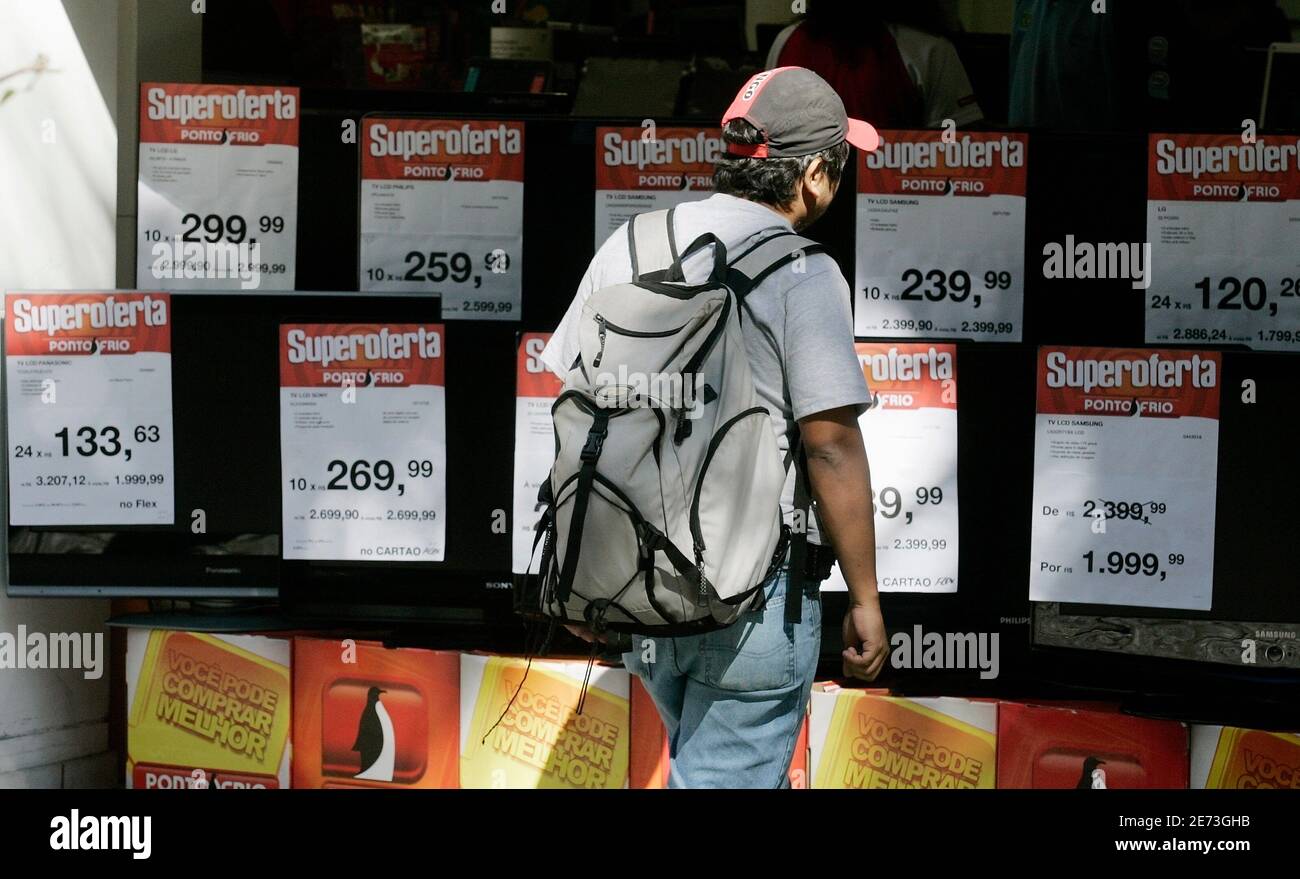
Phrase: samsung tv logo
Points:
(239, 105)
(345, 348)
(100, 314)
(464, 141)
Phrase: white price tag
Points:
(442, 213)
(911, 437)
(650, 169)
(1125, 465)
(89, 385)
(363, 442)
(218, 187)
(535, 391)
(941, 237)
(1223, 221)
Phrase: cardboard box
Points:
(865, 739)
(648, 760)
(207, 711)
(1048, 746)
(1244, 759)
(519, 725)
(366, 716)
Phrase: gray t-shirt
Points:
(797, 325)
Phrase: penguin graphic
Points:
(375, 740)
(1093, 776)
(369, 380)
(94, 346)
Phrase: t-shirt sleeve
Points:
(611, 264)
(821, 365)
(562, 349)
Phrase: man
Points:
(733, 700)
(888, 61)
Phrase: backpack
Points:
(662, 511)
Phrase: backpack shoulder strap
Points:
(652, 245)
(753, 266)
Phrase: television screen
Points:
(215, 509)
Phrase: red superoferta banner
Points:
(532, 379)
(656, 158)
(237, 115)
(87, 323)
(1161, 383)
(910, 375)
(363, 355)
(1222, 167)
(923, 163)
(442, 149)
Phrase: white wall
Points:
(58, 183)
(67, 221)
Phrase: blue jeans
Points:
(733, 700)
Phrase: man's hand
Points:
(866, 645)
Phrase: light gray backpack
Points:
(662, 511)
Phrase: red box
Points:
(1046, 746)
(350, 700)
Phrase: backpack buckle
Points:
(595, 442)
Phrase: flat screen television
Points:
(227, 463)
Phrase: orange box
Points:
(864, 739)
(1244, 759)
(207, 711)
(367, 716)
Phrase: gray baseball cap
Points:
(798, 113)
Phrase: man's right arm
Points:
(839, 477)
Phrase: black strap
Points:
(798, 540)
(655, 540)
(717, 275)
(581, 494)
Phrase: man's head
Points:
(788, 140)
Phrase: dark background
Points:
(1088, 184)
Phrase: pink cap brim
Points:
(862, 135)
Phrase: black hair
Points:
(769, 181)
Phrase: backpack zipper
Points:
(600, 329)
(697, 533)
(603, 324)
